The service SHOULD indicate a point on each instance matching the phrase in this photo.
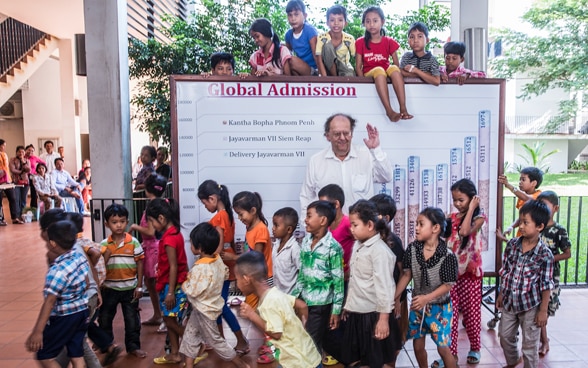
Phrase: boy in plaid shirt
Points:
(454, 56)
(526, 280)
(63, 319)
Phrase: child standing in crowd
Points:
(271, 58)
(277, 315)
(203, 288)
(148, 156)
(63, 319)
(420, 63)
(172, 269)
(286, 250)
(529, 181)
(335, 48)
(372, 60)
(525, 287)
(124, 278)
(154, 188)
(320, 280)
(371, 335)
(247, 205)
(454, 52)
(341, 227)
(556, 238)
(300, 40)
(433, 267)
(215, 198)
(466, 242)
(387, 210)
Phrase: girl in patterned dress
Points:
(434, 269)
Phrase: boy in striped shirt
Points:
(123, 256)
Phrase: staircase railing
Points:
(16, 40)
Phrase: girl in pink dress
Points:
(154, 188)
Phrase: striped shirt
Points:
(67, 280)
(427, 63)
(320, 280)
(121, 269)
(524, 276)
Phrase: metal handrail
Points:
(16, 41)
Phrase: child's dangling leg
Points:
(398, 83)
(380, 79)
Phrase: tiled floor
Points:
(23, 265)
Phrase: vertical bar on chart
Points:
(399, 183)
(413, 195)
(442, 188)
(470, 158)
(428, 188)
(484, 121)
(455, 165)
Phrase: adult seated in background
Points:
(66, 186)
(45, 188)
(162, 168)
(49, 156)
(5, 179)
(34, 160)
(352, 167)
(85, 163)
(148, 156)
(85, 179)
(20, 167)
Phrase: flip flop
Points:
(329, 360)
(164, 360)
(152, 322)
(235, 302)
(473, 357)
(438, 363)
(264, 349)
(242, 352)
(266, 359)
(200, 358)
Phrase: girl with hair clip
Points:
(154, 188)
(271, 58)
(466, 242)
(247, 205)
(172, 269)
(372, 59)
(215, 198)
(434, 269)
(372, 335)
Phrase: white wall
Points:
(12, 132)
(557, 162)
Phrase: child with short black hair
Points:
(341, 227)
(320, 280)
(172, 269)
(277, 314)
(63, 319)
(525, 286)
(286, 250)
(335, 48)
(222, 63)
(529, 181)
(203, 287)
(124, 278)
(148, 156)
(555, 236)
(300, 40)
(372, 335)
(454, 56)
(419, 62)
(433, 267)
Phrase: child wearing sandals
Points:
(154, 188)
(434, 269)
(467, 243)
(215, 198)
(203, 288)
(280, 315)
(372, 336)
(556, 238)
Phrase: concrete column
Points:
(108, 97)
(469, 14)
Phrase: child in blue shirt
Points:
(301, 40)
(63, 319)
